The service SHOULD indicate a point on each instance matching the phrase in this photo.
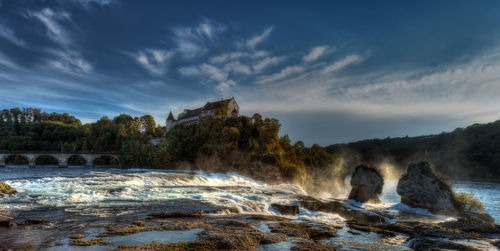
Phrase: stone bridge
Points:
(61, 157)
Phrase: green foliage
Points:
(238, 142)
(6, 189)
(467, 203)
(255, 138)
(28, 128)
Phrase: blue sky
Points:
(330, 71)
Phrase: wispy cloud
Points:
(351, 59)
(52, 21)
(315, 53)
(155, 61)
(70, 62)
(204, 70)
(6, 62)
(88, 3)
(8, 34)
(237, 67)
(266, 62)
(284, 73)
(191, 41)
(254, 41)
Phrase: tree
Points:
(148, 125)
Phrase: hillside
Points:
(465, 153)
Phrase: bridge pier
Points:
(63, 161)
(2, 160)
(31, 160)
(89, 160)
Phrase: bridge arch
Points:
(31, 157)
(46, 160)
(16, 159)
(105, 160)
(77, 160)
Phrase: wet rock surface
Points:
(303, 230)
(286, 209)
(343, 208)
(421, 188)
(474, 222)
(423, 244)
(6, 221)
(366, 183)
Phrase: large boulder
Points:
(366, 185)
(421, 188)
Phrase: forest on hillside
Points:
(249, 145)
(466, 153)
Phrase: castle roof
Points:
(171, 116)
(206, 107)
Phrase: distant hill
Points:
(466, 153)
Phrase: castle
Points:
(223, 109)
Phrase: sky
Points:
(330, 71)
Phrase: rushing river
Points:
(78, 194)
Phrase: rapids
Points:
(81, 195)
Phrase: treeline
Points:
(249, 145)
(32, 129)
(466, 153)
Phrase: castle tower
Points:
(170, 122)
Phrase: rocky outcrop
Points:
(366, 185)
(286, 209)
(479, 222)
(421, 188)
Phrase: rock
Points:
(139, 223)
(342, 208)
(304, 230)
(32, 222)
(496, 244)
(77, 236)
(177, 215)
(122, 230)
(353, 232)
(286, 209)
(421, 188)
(433, 244)
(367, 228)
(6, 221)
(261, 217)
(473, 222)
(89, 242)
(310, 246)
(366, 185)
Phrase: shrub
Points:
(6, 189)
(467, 203)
